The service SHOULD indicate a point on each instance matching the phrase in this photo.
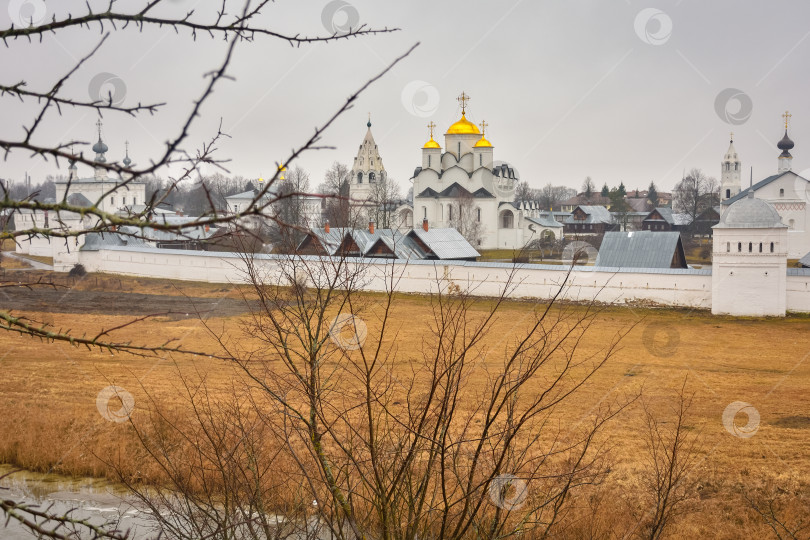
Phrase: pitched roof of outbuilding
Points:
(596, 214)
(446, 243)
(640, 249)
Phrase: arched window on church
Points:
(478, 215)
(459, 150)
(736, 166)
(771, 247)
(371, 178)
(112, 201)
(728, 194)
(359, 178)
(781, 192)
(739, 246)
(791, 223)
(728, 247)
(760, 247)
(480, 160)
(429, 156)
(750, 247)
(424, 212)
(450, 212)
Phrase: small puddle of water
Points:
(94, 500)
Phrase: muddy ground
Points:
(62, 300)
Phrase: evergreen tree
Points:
(652, 195)
(605, 190)
(622, 190)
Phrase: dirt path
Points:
(116, 303)
(36, 265)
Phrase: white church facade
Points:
(101, 190)
(461, 185)
(786, 191)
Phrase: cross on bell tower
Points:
(787, 116)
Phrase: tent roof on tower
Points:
(463, 127)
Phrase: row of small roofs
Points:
(421, 243)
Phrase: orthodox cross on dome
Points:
(430, 126)
(369, 120)
(483, 125)
(732, 136)
(463, 99)
(787, 117)
(99, 124)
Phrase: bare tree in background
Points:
(694, 194)
(292, 220)
(338, 207)
(588, 188)
(551, 196)
(466, 219)
(384, 199)
(524, 192)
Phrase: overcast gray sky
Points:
(616, 90)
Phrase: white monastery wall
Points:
(684, 288)
(798, 290)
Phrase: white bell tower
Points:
(731, 169)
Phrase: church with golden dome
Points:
(463, 187)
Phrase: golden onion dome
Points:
(482, 143)
(463, 127)
(432, 144)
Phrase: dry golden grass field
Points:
(49, 420)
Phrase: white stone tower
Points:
(785, 145)
(731, 168)
(367, 169)
(749, 260)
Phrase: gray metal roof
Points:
(596, 214)
(545, 221)
(750, 213)
(805, 261)
(446, 243)
(744, 193)
(98, 240)
(331, 241)
(639, 249)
